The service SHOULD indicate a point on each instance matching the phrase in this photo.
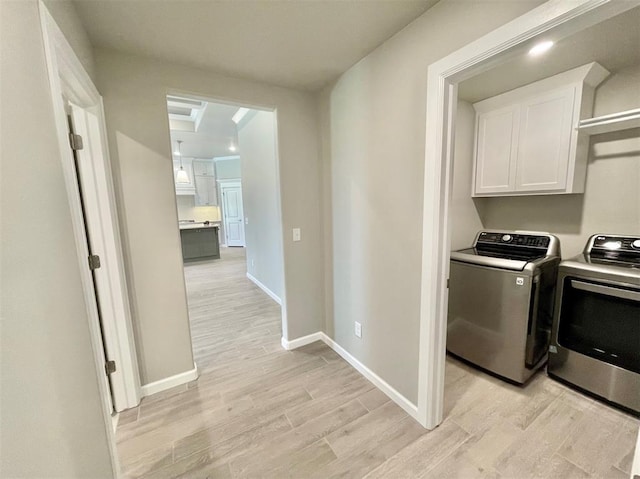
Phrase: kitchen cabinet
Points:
(184, 188)
(527, 141)
(200, 243)
(203, 168)
(205, 183)
(206, 194)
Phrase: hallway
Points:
(256, 409)
(260, 411)
(231, 318)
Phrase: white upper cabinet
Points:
(527, 142)
(206, 194)
(497, 142)
(203, 168)
(188, 188)
(546, 128)
(205, 182)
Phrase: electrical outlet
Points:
(296, 234)
(253, 262)
(358, 329)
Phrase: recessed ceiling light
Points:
(540, 48)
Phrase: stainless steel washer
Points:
(595, 342)
(501, 296)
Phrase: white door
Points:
(232, 214)
(94, 184)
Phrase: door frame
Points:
(230, 183)
(68, 80)
(240, 103)
(555, 19)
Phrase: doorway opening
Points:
(228, 204)
(446, 84)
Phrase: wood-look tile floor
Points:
(260, 411)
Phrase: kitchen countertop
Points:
(190, 226)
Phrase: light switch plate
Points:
(246, 220)
(296, 234)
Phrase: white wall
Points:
(65, 15)
(50, 410)
(139, 145)
(228, 169)
(134, 90)
(373, 123)
(263, 234)
(611, 201)
(465, 219)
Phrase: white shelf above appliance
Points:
(623, 120)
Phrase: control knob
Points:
(506, 238)
(636, 244)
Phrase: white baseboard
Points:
(170, 382)
(380, 383)
(303, 341)
(270, 293)
(115, 417)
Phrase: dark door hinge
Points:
(110, 367)
(75, 141)
(94, 262)
(447, 283)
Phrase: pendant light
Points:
(181, 175)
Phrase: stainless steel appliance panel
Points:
(609, 382)
(595, 342)
(489, 317)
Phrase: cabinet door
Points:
(545, 140)
(203, 168)
(199, 243)
(496, 149)
(206, 191)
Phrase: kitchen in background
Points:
(228, 206)
(203, 133)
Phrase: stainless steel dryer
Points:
(595, 342)
(501, 295)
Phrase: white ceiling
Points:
(295, 43)
(215, 134)
(615, 44)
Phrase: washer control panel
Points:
(513, 239)
(615, 244)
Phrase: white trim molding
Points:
(115, 418)
(230, 182)
(170, 382)
(377, 381)
(72, 88)
(380, 383)
(260, 285)
(555, 19)
(303, 341)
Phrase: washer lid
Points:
(517, 254)
(469, 256)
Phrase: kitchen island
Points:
(199, 241)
